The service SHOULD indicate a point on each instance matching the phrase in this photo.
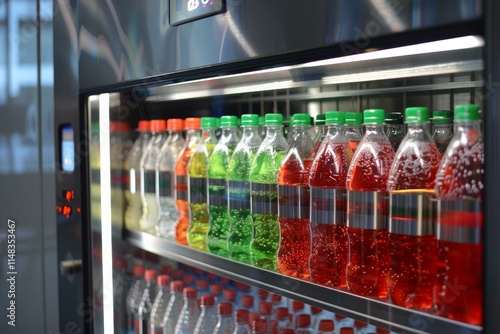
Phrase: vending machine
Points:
(122, 62)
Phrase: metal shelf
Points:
(375, 312)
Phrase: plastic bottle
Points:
(303, 324)
(136, 290)
(329, 243)
(352, 130)
(347, 330)
(241, 323)
(282, 320)
(132, 167)
(247, 303)
(367, 210)
(203, 286)
(412, 222)
(297, 308)
(342, 321)
(442, 129)
(264, 194)
(321, 130)
(259, 326)
(192, 126)
(266, 312)
(460, 187)
(189, 280)
(363, 328)
(217, 186)
(242, 289)
(208, 317)
(189, 313)
(174, 306)
(326, 326)
(149, 216)
(165, 168)
(120, 288)
(160, 304)
(146, 303)
(238, 184)
(394, 128)
(120, 145)
(230, 296)
(293, 202)
(317, 314)
(198, 185)
(217, 290)
(225, 323)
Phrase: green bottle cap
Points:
(274, 119)
(208, 122)
(300, 119)
(374, 116)
(353, 118)
(250, 120)
(320, 119)
(335, 117)
(229, 121)
(467, 112)
(416, 115)
(394, 117)
(442, 117)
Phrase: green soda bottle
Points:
(238, 184)
(197, 185)
(217, 187)
(264, 194)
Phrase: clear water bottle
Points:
(149, 215)
(174, 306)
(132, 167)
(146, 303)
(165, 171)
(189, 313)
(241, 323)
(135, 291)
(217, 290)
(259, 326)
(160, 304)
(266, 312)
(326, 326)
(208, 317)
(225, 323)
(303, 324)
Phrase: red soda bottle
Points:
(367, 210)
(327, 179)
(459, 187)
(412, 274)
(293, 202)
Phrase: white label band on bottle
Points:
(367, 209)
(293, 202)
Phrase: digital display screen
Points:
(67, 148)
(188, 10)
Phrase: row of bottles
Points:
(187, 300)
(343, 209)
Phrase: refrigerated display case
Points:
(139, 62)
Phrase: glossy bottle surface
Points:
(330, 247)
(369, 256)
(293, 202)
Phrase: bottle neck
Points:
(418, 129)
(465, 126)
(334, 129)
(250, 131)
(374, 128)
(207, 134)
